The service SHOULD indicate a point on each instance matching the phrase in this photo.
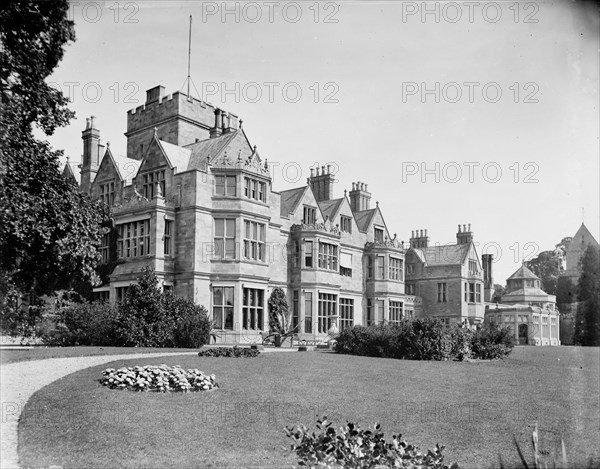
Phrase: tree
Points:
(547, 267)
(280, 322)
(587, 322)
(49, 231)
(499, 290)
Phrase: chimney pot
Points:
(412, 234)
(469, 227)
(87, 123)
(353, 186)
(92, 122)
(366, 186)
(323, 170)
(459, 228)
(464, 228)
(312, 172)
(425, 232)
(328, 169)
(317, 170)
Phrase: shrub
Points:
(192, 325)
(492, 341)
(425, 339)
(461, 339)
(432, 340)
(236, 352)
(80, 324)
(351, 446)
(161, 378)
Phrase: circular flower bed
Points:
(161, 378)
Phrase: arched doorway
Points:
(523, 334)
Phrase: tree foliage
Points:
(279, 313)
(587, 322)
(49, 231)
(547, 267)
(499, 290)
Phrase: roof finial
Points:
(67, 160)
(107, 144)
(377, 204)
(345, 193)
(156, 132)
(240, 155)
(241, 122)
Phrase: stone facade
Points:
(194, 199)
(449, 278)
(528, 310)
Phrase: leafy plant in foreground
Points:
(352, 447)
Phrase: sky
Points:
(481, 113)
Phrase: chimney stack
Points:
(360, 198)
(91, 154)
(465, 236)
(419, 239)
(321, 182)
(217, 130)
(488, 278)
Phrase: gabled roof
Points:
(178, 157)
(448, 254)
(235, 143)
(126, 168)
(364, 218)
(290, 200)
(523, 272)
(68, 173)
(582, 237)
(330, 208)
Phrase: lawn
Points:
(40, 352)
(472, 408)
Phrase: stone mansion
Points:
(193, 198)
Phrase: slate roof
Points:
(449, 254)
(523, 272)
(583, 236)
(68, 173)
(235, 143)
(364, 218)
(290, 200)
(126, 167)
(330, 208)
(528, 291)
(178, 157)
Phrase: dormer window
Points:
(346, 224)
(309, 215)
(225, 185)
(149, 182)
(378, 235)
(107, 193)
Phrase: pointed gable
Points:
(331, 208)
(177, 157)
(68, 173)
(160, 153)
(364, 219)
(232, 146)
(107, 169)
(290, 200)
(582, 238)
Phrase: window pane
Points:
(230, 228)
(219, 227)
(228, 292)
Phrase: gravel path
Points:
(21, 379)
